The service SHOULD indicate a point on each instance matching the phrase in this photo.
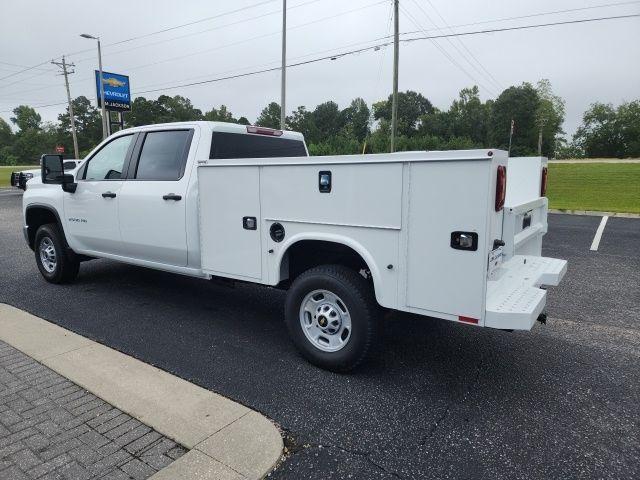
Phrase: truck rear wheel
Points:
(55, 262)
(332, 316)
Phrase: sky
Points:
(585, 62)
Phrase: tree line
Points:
(537, 115)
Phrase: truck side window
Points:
(163, 155)
(108, 163)
(226, 145)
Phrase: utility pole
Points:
(283, 87)
(540, 138)
(396, 55)
(72, 119)
(513, 124)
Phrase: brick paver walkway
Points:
(50, 428)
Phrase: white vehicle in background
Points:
(19, 179)
(420, 232)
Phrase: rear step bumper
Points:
(514, 300)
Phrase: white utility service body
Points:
(428, 230)
(398, 212)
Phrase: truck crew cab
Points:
(421, 232)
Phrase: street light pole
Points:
(396, 55)
(105, 124)
(283, 86)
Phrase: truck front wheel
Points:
(331, 313)
(55, 262)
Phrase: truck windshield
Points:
(239, 145)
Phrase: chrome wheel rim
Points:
(48, 256)
(325, 320)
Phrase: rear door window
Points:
(163, 155)
(239, 145)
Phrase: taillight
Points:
(501, 187)
(543, 182)
(263, 131)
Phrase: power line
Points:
(451, 27)
(24, 70)
(464, 46)
(377, 47)
(385, 44)
(219, 27)
(446, 54)
(175, 27)
(248, 40)
(460, 52)
(524, 27)
(532, 15)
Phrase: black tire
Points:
(66, 264)
(358, 297)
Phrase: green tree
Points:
(6, 135)
(270, 116)
(549, 118)
(520, 104)
(88, 122)
(301, 120)
(26, 118)
(30, 144)
(328, 120)
(468, 117)
(357, 118)
(143, 112)
(221, 114)
(628, 120)
(600, 134)
(177, 109)
(411, 107)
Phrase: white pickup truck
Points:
(420, 232)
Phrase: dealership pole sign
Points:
(117, 96)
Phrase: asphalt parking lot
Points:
(438, 400)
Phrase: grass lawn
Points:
(606, 187)
(5, 173)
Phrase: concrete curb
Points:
(595, 213)
(226, 440)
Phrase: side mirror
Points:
(52, 169)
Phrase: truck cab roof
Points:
(220, 127)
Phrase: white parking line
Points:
(598, 235)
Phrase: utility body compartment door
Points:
(228, 195)
(446, 197)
